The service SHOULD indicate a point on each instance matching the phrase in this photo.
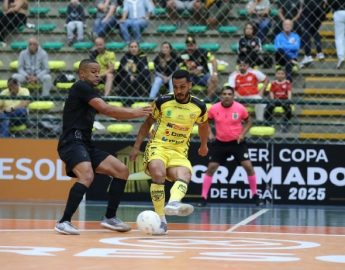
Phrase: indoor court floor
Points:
(219, 236)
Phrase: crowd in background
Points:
(296, 25)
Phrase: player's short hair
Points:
(180, 74)
(280, 69)
(83, 63)
(243, 60)
(12, 81)
(227, 87)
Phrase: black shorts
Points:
(74, 152)
(221, 151)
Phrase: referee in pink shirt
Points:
(228, 116)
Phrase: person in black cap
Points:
(195, 61)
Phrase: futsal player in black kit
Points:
(81, 157)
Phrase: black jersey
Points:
(78, 115)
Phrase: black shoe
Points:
(256, 199)
(203, 203)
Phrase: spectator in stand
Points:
(249, 46)
(135, 18)
(218, 11)
(75, 21)
(280, 94)
(313, 13)
(195, 61)
(133, 76)
(105, 17)
(14, 14)
(195, 7)
(289, 10)
(287, 45)
(259, 11)
(245, 82)
(12, 112)
(166, 63)
(106, 60)
(33, 67)
(338, 8)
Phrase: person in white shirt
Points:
(135, 18)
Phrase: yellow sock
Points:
(158, 198)
(178, 191)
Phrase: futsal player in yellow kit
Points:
(166, 154)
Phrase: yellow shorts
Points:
(170, 157)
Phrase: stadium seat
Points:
(280, 110)
(3, 84)
(151, 66)
(19, 45)
(83, 45)
(262, 131)
(196, 29)
(76, 65)
(269, 48)
(62, 11)
(115, 103)
(92, 11)
(115, 46)
(52, 45)
(120, 128)
(56, 65)
(198, 88)
(227, 29)
(14, 65)
(64, 85)
(186, 14)
(212, 47)
(159, 11)
(1, 64)
(148, 46)
(244, 12)
(234, 47)
(39, 11)
(178, 46)
(166, 28)
(140, 104)
(45, 27)
(18, 128)
(41, 105)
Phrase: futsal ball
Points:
(149, 222)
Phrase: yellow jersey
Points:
(105, 59)
(6, 104)
(175, 121)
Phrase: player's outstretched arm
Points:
(142, 134)
(119, 113)
(203, 134)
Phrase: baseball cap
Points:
(190, 40)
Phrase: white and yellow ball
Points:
(149, 222)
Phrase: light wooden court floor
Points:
(220, 236)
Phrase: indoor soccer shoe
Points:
(66, 227)
(115, 224)
(163, 229)
(178, 209)
(257, 200)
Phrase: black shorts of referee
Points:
(221, 151)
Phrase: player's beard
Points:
(182, 98)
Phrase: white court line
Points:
(179, 231)
(247, 220)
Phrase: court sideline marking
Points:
(247, 220)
